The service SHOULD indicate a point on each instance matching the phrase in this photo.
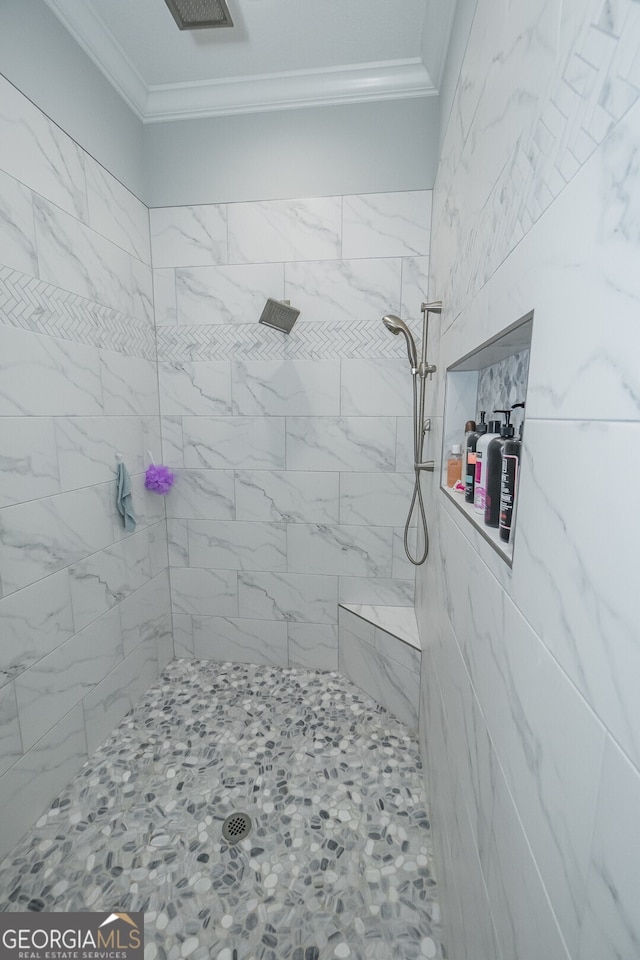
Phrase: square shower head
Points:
(279, 315)
(200, 14)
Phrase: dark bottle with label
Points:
(494, 472)
(509, 482)
(470, 458)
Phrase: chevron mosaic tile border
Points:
(360, 340)
(41, 307)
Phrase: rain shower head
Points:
(279, 314)
(396, 326)
(200, 14)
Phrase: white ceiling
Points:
(278, 54)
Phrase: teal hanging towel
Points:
(124, 500)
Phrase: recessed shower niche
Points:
(491, 378)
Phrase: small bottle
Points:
(470, 458)
(454, 465)
(480, 490)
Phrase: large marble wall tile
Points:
(280, 388)
(107, 703)
(298, 496)
(610, 923)
(578, 596)
(288, 596)
(584, 270)
(255, 443)
(394, 593)
(241, 641)
(280, 230)
(144, 669)
(37, 152)
(378, 499)
(164, 649)
(343, 550)
(172, 441)
(341, 443)
(188, 236)
(404, 452)
(183, 635)
(202, 495)
(344, 290)
(415, 291)
(34, 622)
(389, 683)
(143, 612)
(47, 690)
(313, 645)
(158, 547)
(130, 384)
(395, 649)
(164, 297)
(142, 293)
(227, 294)
(115, 213)
(178, 543)
(73, 257)
(28, 460)
(202, 388)
(475, 934)
(10, 742)
(360, 627)
(88, 447)
(371, 388)
(103, 579)
(387, 224)
(27, 788)
(205, 593)
(402, 568)
(42, 376)
(471, 756)
(237, 545)
(17, 230)
(526, 700)
(524, 918)
(41, 537)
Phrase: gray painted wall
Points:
(313, 152)
(43, 61)
(320, 151)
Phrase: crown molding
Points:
(288, 91)
(100, 45)
(360, 83)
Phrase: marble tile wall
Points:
(530, 719)
(292, 453)
(84, 606)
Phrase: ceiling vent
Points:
(200, 14)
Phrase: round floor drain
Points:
(236, 827)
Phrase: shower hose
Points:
(418, 444)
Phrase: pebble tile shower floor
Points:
(338, 862)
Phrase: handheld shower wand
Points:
(396, 326)
(419, 371)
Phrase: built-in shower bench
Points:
(379, 651)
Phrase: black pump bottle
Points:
(494, 471)
(470, 459)
(509, 481)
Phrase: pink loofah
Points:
(159, 478)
